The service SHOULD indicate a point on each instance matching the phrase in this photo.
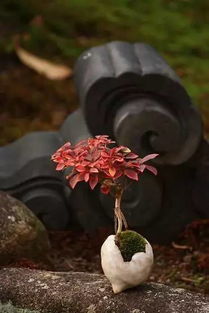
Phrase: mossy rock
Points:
(10, 308)
(129, 243)
(22, 235)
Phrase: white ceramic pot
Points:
(123, 275)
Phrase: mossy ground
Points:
(129, 243)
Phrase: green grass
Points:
(179, 30)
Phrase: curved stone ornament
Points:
(27, 173)
(137, 99)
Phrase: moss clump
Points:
(130, 242)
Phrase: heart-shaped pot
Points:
(123, 275)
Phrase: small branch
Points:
(120, 218)
(124, 220)
(115, 222)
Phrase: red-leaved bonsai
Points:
(94, 161)
(126, 257)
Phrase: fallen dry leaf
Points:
(181, 247)
(44, 67)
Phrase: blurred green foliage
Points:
(178, 29)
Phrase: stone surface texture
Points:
(73, 292)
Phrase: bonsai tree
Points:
(97, 161)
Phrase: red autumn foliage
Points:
(93, 161)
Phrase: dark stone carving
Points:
(137, 99)
(200, 195)
(27, 173)
(129, 92)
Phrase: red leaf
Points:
(151, 169)
(104, 154)
(112, 171)
(80, 168)
(95, 155)
(131, 155)
(70, 163)
(93, 170)
(118, 174)
(67, 145)
(75, 179)
(131, 174)
(149, 157)
(93, 181)
(67, 153)
(60, 166)
(142, 168)
(86, 177)
(88, 157)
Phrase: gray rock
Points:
(55, 292)
(21, 232)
